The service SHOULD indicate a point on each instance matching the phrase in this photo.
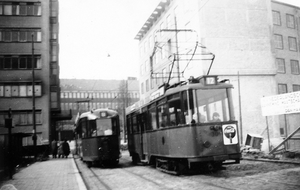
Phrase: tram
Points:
(186, 127)
(97, 135)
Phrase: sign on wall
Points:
(281, 104)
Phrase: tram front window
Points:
(212, 105)
(104, 127)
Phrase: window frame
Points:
(280, 66)
(275, 18)
(295, 70)
(290, 21)
(278, 43)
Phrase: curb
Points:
(79, 179)
(274, 161)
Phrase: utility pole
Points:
(8, 124)
(240, 108)
(34, 138)
(125, 105)
(177, 52)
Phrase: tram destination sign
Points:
(281, 104)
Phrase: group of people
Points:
(60, 150)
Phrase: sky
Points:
(96, 37)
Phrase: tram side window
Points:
(176, 113)
(83, 124)
(162, 115)
(135, 124)
(92, 128)
(188, 103)
(152, 118)
(129, 129)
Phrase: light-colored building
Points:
(19, 19)
(186, 35)
(286, 30)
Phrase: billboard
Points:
(281, 104)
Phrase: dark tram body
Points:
(177, 131)
(98, 137)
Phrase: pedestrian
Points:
(60, 151)
(54, 148)
(66, 148)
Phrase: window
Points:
(296, 87)
(175, 110)
(292, 43)
(276, 18)
(20, 8)
(295, 67)
(19, 90)
(168, 21)
(280, 65)
(142, 88)
(278, 41)
(211, 103)
(282, 88)
(20, 62)
(23, 117)
(162, 114)
(161, 27)
(152, 117)
(290, 21)
(7, 9)
(20, 35)
(147, 85)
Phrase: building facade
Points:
(236, 41)
(82, 95)
(29, 38)
(286, 31)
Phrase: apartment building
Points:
(238, 41)
(286, 31)
(29, 38)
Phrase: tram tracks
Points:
(116, 178)
(131, 177)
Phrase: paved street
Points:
(47, 175)
(63, 174)
(247, 175)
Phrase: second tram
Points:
(97, 136)
(188, 126)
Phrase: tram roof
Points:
(184, 88)
(94, 114)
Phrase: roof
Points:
(160, 8)
(96, 84)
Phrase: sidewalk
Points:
(58, 173)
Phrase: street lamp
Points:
(34, 138)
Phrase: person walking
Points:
(54, 148)
(66, 148)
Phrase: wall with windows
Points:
(239, 34)
(25, 25)
(286, 26)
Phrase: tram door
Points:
(142, 122)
